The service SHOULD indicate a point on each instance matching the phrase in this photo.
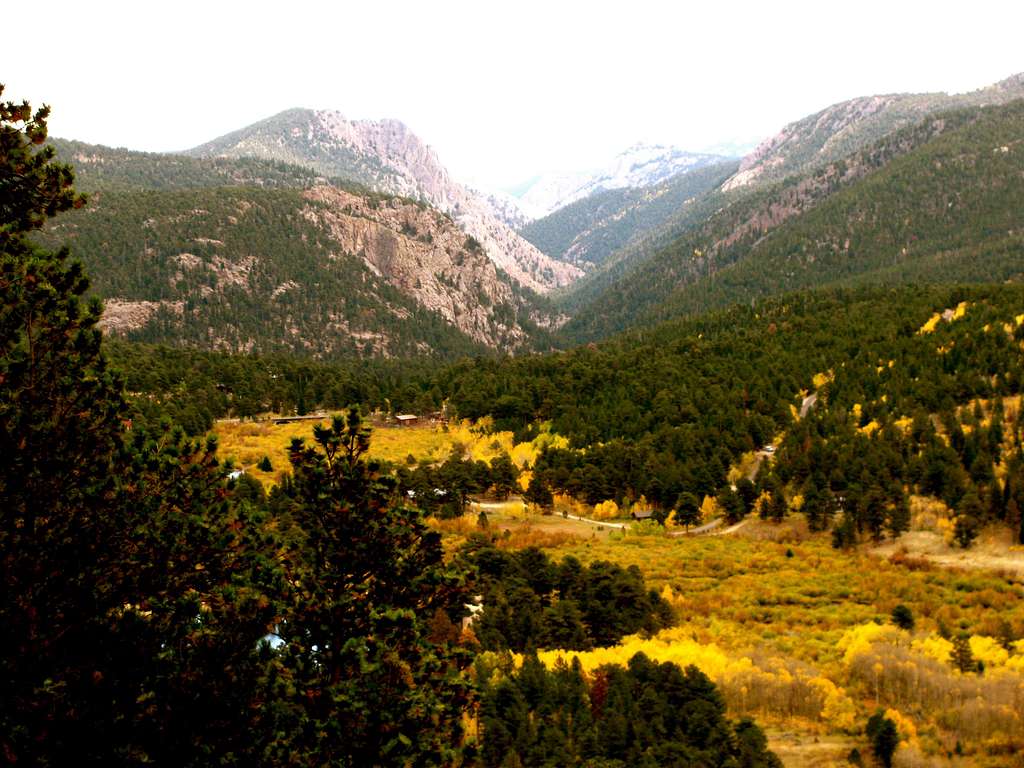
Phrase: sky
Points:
(503, 91)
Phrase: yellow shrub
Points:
(934, 647)
(931, 324)
(839, 709)
(606, 510)
(524, 455)
(524, 479)
(870, 428)
(987, 650)
(859, 639)
(709, 508)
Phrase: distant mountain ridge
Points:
(843, 128)
(938, 201)
(590, 231)
(386, 156)
(257, 255)
(641, 165)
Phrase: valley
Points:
(312, 454)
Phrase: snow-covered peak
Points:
(638, 166)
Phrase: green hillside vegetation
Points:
(576, 300)
(194, 387)
(590, 230)
(946, 212)
(664, 413)
(934, 202)
(100, 168)
(195, 251)
(287, 142)
(845, 128)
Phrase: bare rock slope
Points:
(386, 156)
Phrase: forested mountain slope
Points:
(108, 169)
(937, 201)
(282, 261)
(844, 128)
(587, 232)
(664, 413)
(386, 156)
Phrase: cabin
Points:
(642, 514)
(407, 419)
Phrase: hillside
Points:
(107, 169)
(587, 232)
(386, 156)
(936, 201)
(844, 128)
(385, 275)
(322, 272)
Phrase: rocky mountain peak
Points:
(387, 156)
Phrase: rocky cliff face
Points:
(844, 128)
(386, 156)
(421, 253)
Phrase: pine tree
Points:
(113, 550)
(903, 618)
(687, 510)
(897, 519)
(503, 476)
(365, 574)
(962, 657)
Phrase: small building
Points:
(406, 419)
(642, 514)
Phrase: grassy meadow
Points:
(248, 442)
(798, 635)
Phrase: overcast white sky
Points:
(502, 90)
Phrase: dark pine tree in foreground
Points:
(646, 714)
(137, 585)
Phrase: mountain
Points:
(936, 202)
(843, 128)
(589, 231)
(639, 166)
(386, 156)
(257, 255)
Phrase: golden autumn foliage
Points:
(606, 510)
(821, 379)
(709, 509)
(805, 641)
(931, 324)
(750, 684)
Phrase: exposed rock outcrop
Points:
(421, 253)
(386, 156)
